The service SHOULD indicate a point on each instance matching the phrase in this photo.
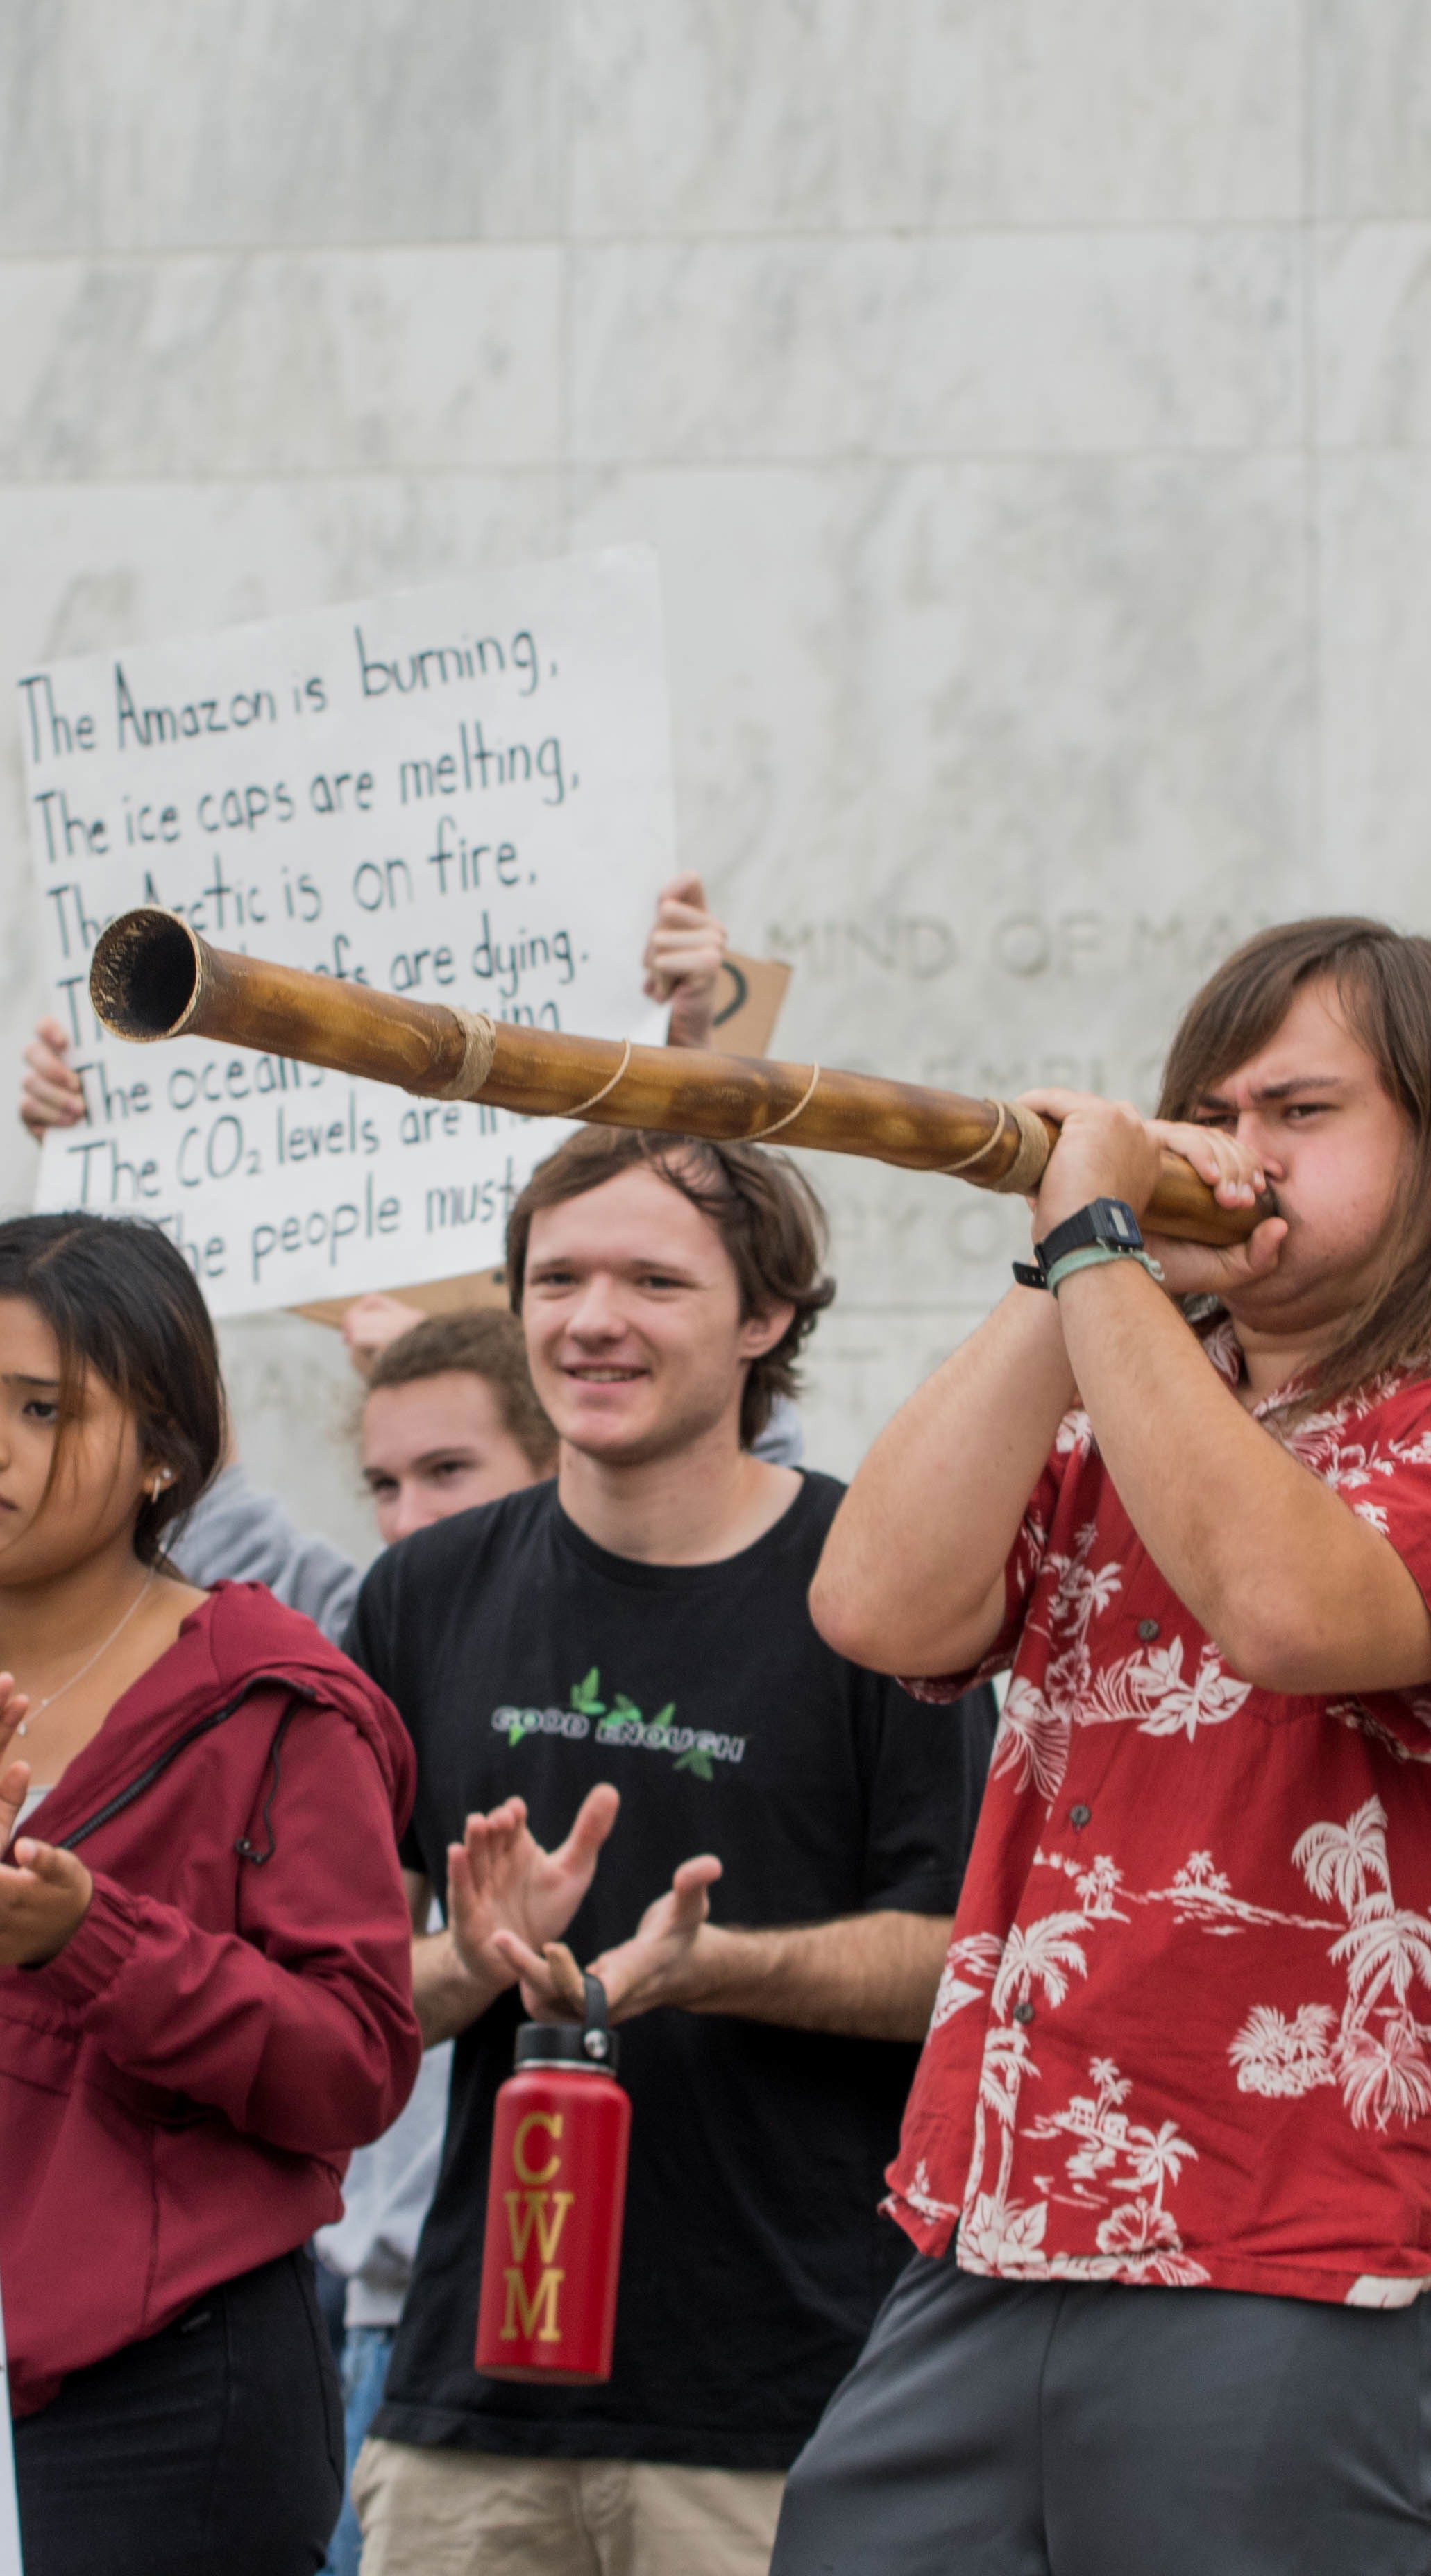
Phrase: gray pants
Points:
(995, 2429)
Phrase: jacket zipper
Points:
(125, 1797)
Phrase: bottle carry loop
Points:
(596, 2030)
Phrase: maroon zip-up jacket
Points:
(180, 2087)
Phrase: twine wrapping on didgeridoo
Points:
(762, 1135)
(1027, 1168)
(584, 1108)
(479, 1045)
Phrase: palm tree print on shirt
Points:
(1377, 2051)
(1350, 2027)
(1109, 2154)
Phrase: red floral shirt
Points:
(1178, 2037)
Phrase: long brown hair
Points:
(764, 1210)
(1382, 979)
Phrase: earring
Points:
(165, 1477)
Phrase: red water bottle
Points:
(555, 2203)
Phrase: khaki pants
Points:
(477, 2513)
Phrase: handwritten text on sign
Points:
(461, 793)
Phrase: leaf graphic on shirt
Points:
(664, 1715)
(584, 1695)
(1154, 1690)
(1024, 2228)
(1032, 1740)
(621, 1706)
(1003, 2237)
(698, 1760)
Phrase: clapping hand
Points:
(654, 1967)
(44, 1893)
(500, 1881)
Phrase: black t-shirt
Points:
(524, 1658)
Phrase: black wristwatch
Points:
(1109, 1222)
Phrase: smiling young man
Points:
(1165, 2162)
(639, 1629)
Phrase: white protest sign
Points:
(9, 2507)
(461, 793)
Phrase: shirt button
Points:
(1080, 1816)
(1147, 1630)
(1023, 2012)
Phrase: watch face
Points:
(1109, 1221)
(1116, 1223)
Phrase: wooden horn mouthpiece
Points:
(153, 977)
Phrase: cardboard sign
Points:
(461, 793)
(748, 1006)
(10, 2563)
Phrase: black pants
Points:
(212, 2449)
(995, 2429)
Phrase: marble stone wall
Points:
(1030, 400)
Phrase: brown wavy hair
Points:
(764, 1210)
(487, 1344)
(1382, 979)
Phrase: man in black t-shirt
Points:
(639, 1629)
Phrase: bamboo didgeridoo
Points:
(154, 977)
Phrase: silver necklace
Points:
(27, 1721)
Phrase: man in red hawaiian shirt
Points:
(1167, 2162)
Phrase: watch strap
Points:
(1106, 1228)
(1094, 1256)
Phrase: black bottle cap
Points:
(591, 2043)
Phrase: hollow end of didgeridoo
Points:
(144, 976)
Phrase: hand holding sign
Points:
(51, 1094)
(683, 960)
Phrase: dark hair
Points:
(1383, 981)
(488, 1345)
(120, 1300)
(764, 1210)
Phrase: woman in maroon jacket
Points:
(205, 1997)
